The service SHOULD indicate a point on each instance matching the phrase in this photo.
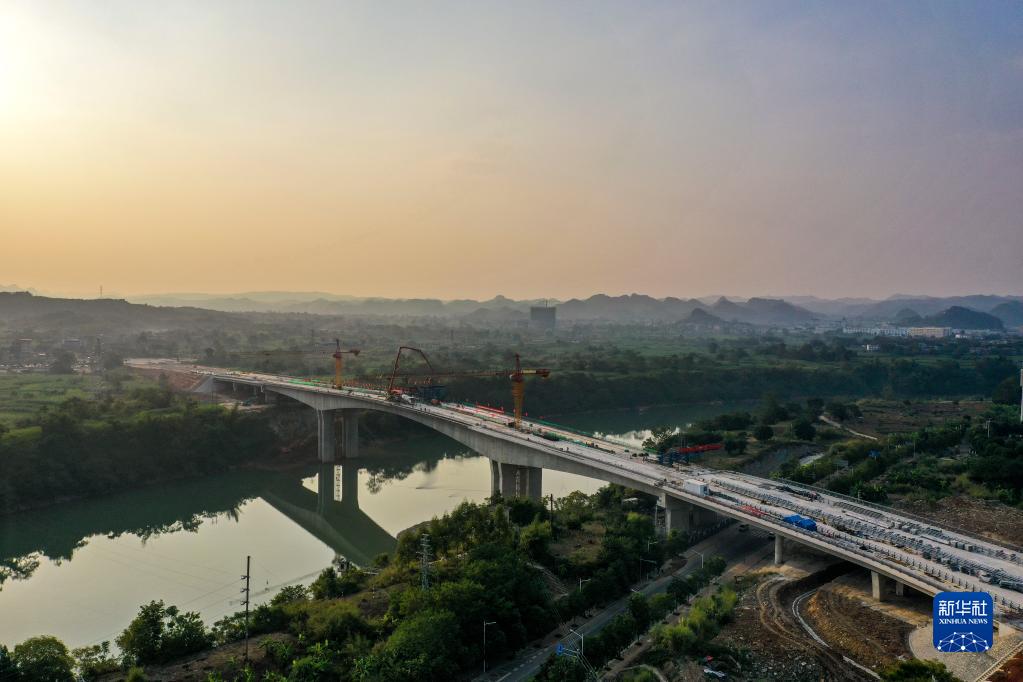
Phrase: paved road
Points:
(729, 543)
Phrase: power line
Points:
(247, 576)
(424, 560)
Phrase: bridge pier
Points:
(349, 433)
(779, 550)
(519, 481)
(877, 586)
(326, 444)
(900, 589)
(495, 478)
(326, 434)
(682, 516)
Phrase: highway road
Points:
(923, 555)
(730, 544)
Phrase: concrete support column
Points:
(521, 481)
(349, 433)
(676, 514)
(325, 441)
(876, 585)
(900, 589)
(495, 478)
(683, 516)
(779, 550)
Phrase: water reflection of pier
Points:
(331, 513)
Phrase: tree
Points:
(639, 607)
(803, 429)
(536, 539)
(916, 670)
(159, 633)
(43, 659)
(763, 433)
(562, 669)
(735, 445)
(94, 661)
(1007, 392)
(63, 363)
(425, 647)
(838, 410)
(8, 668)
(331, 584)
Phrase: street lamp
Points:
(581, 581)
(650, 561)
(485, 624)
(582, 642)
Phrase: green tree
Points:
(916, 670)
(63, 363)
(639, 607)
(425, 647)
(95, 660)
(763, 433)
(8, 668)
(562, 669)
(803, 429)
(43, 659)
(158, 634)
(1007, 392)
(736, 445)
(837, 410)
(536, 539)
(331, 584)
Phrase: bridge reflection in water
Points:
(331, 513)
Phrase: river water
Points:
(80, 571)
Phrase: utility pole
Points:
(485, 624)
(245, 591)
(424, 561)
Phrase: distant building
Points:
(876, 331)
(542, 317)
(930, 332)
(871, 347)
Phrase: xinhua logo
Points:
(964, 621)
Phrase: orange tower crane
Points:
(339, 361)
(396, 380)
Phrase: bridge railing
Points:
(898, 512)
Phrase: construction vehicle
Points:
(428, 387)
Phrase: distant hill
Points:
(907, 317)
(701, 316)
(96, 315)
(1010, 312)
(959, 317)
(764, 311)
(926, 305)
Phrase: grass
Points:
(22, 395)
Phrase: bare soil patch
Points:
(990, 519)
(871, 637)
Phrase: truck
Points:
(695, 487)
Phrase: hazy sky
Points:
(530, 149)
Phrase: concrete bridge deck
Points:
(915, 553)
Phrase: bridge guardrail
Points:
(890, 510)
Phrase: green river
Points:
(81, 570)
